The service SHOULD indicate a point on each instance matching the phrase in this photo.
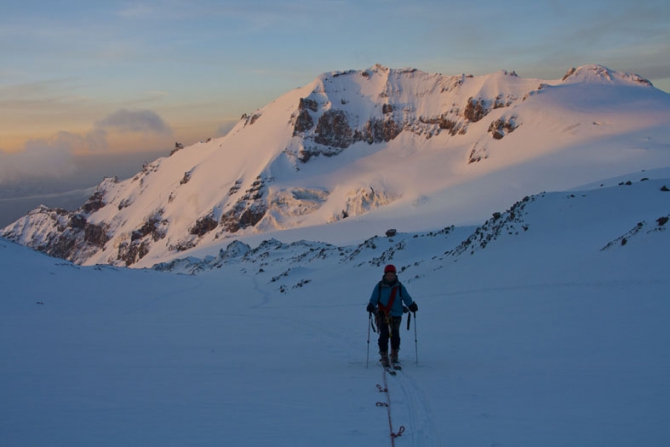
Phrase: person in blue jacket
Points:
(386, 303)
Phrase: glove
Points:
(370, 308)
(413, 307)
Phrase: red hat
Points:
(390, 268)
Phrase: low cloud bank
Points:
(54, 157)
(41, 158)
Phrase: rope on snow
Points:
(387, 404)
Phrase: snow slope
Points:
(539, 327)
(354, 152)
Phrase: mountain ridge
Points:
(630, 212)
(365, 145)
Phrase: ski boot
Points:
(394, 356)
(385, 359)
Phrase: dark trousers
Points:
(384, 335)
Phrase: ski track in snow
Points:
(265, 296)
(420, 424)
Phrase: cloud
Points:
(46, 158)
(53, 157)
(144, 121)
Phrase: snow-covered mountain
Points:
(364, 151)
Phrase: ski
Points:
(388, 368)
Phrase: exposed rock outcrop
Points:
(248, 210)
(204, 225)
(501, 127)
(475, 110)
(333, 129)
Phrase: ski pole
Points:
(416, 343)
(367, 360)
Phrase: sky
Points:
(85, 78)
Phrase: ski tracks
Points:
(411, 408)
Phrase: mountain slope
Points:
(609, 221)
(359, 148)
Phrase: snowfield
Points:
(547, 325)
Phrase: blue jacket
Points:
(401, 296)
